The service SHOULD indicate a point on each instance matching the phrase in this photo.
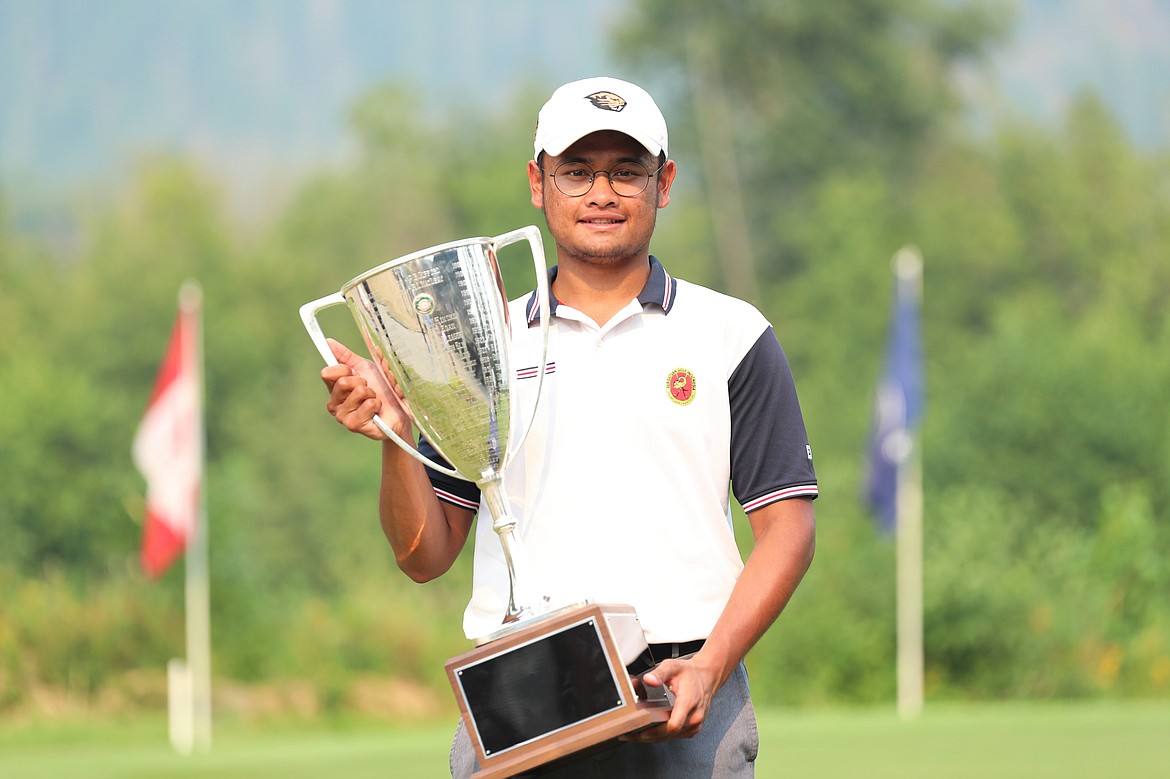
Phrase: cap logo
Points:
(607, 100)
(681, 386)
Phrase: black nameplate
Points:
(539, 687)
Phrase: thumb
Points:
(664, 674)
(343, 354)
(656, 678)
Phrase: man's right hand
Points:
(358, 391)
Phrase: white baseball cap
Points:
(602, 103)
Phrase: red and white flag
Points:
(168, 446)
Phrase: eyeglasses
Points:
(627, 179)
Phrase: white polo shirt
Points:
(621, 489)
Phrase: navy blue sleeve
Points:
(449, 489)
(771, 458)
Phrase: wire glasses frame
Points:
(628, 179)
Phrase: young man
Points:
(660, 397)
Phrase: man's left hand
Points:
(693, 686)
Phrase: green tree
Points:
(812, 92)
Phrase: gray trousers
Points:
(725, 747)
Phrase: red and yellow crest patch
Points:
(680, 384)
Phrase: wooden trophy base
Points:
(554, 686)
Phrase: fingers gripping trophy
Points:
(555, 678)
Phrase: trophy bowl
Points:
(437, 322)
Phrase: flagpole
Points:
(908, 545)
(911, 654)
(197, 580)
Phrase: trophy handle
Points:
(523, 603)
(532, 234)
(309, 313)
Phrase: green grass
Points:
(992, 741)
(1001, 741)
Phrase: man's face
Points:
(601, 227)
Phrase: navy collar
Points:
(660, 290)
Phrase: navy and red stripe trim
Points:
(533, 371)
(797, 491)
(456, 500)
(660, 290)
(660, 287)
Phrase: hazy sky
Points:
(1120, 48)
(256, 85)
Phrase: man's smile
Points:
(601, 221)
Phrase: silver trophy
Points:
(550, 682)
(437, 320)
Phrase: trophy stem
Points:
(522, 602)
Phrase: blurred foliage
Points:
(1047, 326)
(814, 92)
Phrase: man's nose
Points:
(596, 192)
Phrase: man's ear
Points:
(665, 180)
(536, 183)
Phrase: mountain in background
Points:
(256, 83)
(1120, 49)
(256, 86)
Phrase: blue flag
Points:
(899, 401)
